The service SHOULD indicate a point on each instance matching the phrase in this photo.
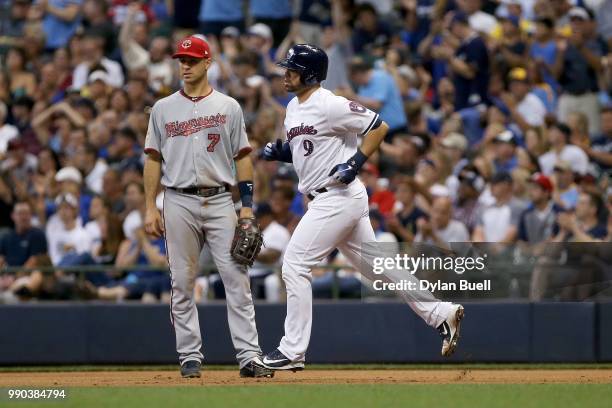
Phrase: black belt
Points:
(318, 191)
(202, 191)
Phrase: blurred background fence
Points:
(343, 332)
(570, 322)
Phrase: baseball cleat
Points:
(256, 369)
(191, 369)
(276, 360)
(449, 330)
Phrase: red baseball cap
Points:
(543, 181)
(193, 46)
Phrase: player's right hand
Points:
(272, 151)
(153, 223)
(343, 173)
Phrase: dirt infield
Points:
(230, 377)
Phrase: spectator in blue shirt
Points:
(369, 31)
(584, 224)
(146, 284)
(469, 63)
(577, 66)
(21, 245)
(566, 191)
(62, 18)
(12, 23)
(418, 16)
(505, 159)
(125, 150)
(377, 90)
(544, 49)
(434, 63)
(215, 15)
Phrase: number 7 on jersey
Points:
(214, 139)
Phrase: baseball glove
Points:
(247, 241)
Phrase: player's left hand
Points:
(272, 151)
(278, 151)
(344, 173)
(247, 241)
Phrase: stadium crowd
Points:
(499, 112)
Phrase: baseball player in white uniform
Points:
(195, 142)
(322, 132)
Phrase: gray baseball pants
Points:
(189, 222)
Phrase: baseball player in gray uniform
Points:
(322, 132)
(196, 144)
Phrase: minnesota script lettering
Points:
(187, 127)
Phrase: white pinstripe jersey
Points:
(322, 132)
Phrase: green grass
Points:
(340, 396)
(438, 366)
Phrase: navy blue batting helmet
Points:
(309, 60)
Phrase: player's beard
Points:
(291, 88)
(297, 89)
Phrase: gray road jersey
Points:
(198, 139)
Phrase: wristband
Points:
(285, 153)
(246, 193)
(358, 159)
